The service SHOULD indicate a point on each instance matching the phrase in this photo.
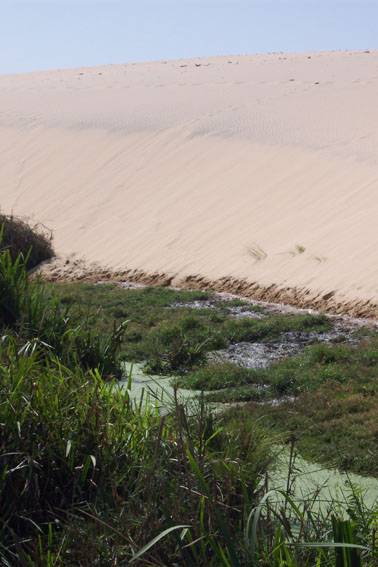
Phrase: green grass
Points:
(321, 363)
(336, 425)
(237, 394)
(217, 376)
(175, 339)
(88, 478)
(334, 413)
(73, 446)
(331, 393)
(147, 310)
(32, 313)
(318, 364)
(252, 330)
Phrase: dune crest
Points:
(261, 169)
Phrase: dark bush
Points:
(33, 242)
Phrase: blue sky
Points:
(44, 34)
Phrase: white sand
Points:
(264, 168)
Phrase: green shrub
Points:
(83, 346)
(237, 394)
(217, 376)
(21, 303)
(15, 298)
(32, 312)
(252, 330)
(176, 347)
(327, 354)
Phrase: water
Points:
(327, 484)
(156, 390)
(310, 478)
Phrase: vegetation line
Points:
(323, 301)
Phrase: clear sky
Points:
(43, 34)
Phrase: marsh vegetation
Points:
(90, 477)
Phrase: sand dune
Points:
(260, 169)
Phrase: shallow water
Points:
(310, 478)
(327, 484)
(156, 390)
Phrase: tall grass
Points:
(32, 313)
(88, 477)
(73, 446)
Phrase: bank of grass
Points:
(33, 315)
(335, 425)
(174, 339)
(217, 376)
(274, 326)
(318, 364)
(327, 397)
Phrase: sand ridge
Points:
(258, 169)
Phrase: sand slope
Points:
(263, 168)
